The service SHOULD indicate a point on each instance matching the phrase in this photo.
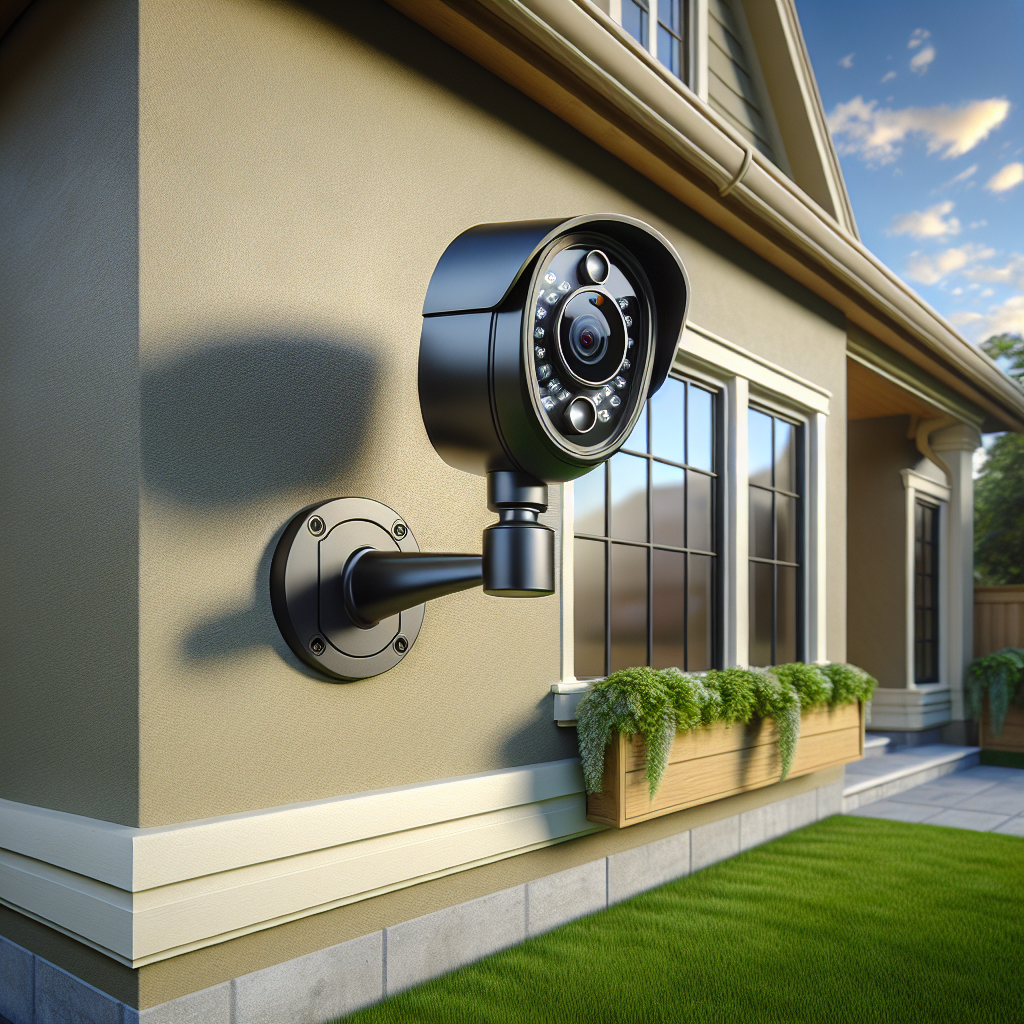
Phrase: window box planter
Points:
(1011, 739)
(719, 761)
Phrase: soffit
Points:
(567, 56)
(869, 395)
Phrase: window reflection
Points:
(646, 568)
(759, 448)
(629, 497)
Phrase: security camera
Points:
(541, 342)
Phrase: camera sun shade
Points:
(541, 342)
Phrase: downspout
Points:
(920, 432)
(748, 156)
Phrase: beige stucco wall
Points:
(877, 546)
(69, 432)
(299, 175)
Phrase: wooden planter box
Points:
(1012, 736)
(718, 761)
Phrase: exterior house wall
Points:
(297, 172)
(876, 546)
(69, 433)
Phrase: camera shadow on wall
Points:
(235, 421)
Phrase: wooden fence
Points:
(998, 618)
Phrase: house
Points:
(220, 222)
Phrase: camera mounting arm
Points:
(349, 583)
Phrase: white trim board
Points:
(143, 895)
(726, 358)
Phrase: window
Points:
(926, 592)
(671, 37)
(646, 565)
(636, 20)
(776, 529)
(661, 26)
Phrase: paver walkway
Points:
(985, 799)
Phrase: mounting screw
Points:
(317, 646)
(401, 645)
(316, 525)
(400, 530)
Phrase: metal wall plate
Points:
(306, 591)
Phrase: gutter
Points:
(569, 56)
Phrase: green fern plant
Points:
(1001, 675)
(657, 703)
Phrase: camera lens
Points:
(592, 337)
(594, 267)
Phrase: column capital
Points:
(959, 437)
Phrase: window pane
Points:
(700, 429)
(785, 456)
(588, 499)
(761, 540)
(698, 512)
(667, 482)
(629, 497)
(634, 20)
(588, 614)
(785, 523)
(629, 606)
(668, 12)
(637, 440)
(668, 50)
(761, 594)
(699, 616)
(785, 616)
(667, 421)
(759, 447)
(669, 608)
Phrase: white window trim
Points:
(696, 41)
(915, 486)
(738, 374)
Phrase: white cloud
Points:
(920, 61)
(1005, 318)
(987, 292)
(1008, 177)
(1011, 273)
(888, 76)
(927, 223)
(917, 37)
(932, 269)
(978, 224)
(847, 61)
(957, 291)
(872, 133)
(962, 176)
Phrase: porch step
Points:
(875, 778)
(876, 746)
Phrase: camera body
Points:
(542, 340)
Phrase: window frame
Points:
(693, 13)
(651, 546)
(767, 407)
(935, 586)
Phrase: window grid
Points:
(786, 590)
(672, 48)
(635, 15)
(926, 592)
(613, 543)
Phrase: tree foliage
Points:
(999, 514)
(1008, 351)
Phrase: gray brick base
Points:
(331, 982)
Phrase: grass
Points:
(851, 919)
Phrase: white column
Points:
(955, 446)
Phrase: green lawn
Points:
(851, 919)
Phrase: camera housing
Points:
(541, 342)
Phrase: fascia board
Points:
(621, 100)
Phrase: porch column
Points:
(955, 446)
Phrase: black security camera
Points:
(541, 342)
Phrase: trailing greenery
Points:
(658, 703)
(1002, 676)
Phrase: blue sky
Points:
(925, 99)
